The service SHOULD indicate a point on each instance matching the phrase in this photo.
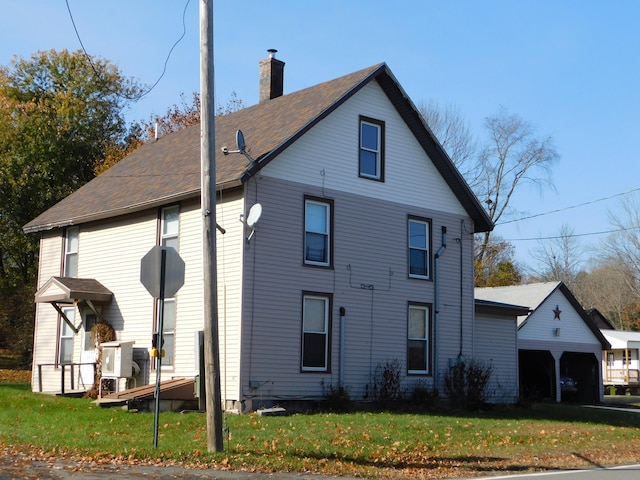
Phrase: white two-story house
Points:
(363, 252)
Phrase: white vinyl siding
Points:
(368, 279)
(496, 347)
(327, 156)
(47, 325)
(542, 323)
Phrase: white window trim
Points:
(172, 333)
(427, 249)
(71, 232)
(164, 237)
(378, 152)
(327, 234)
(169, 360)
(327, 306)
(427, 339)
(70, 314)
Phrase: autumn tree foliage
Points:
(177, 117)
(60, 117)
(498, 267)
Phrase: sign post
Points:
(162, 274)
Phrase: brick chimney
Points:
(271, 77)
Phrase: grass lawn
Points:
(376, 445)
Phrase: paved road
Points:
(11, 469)
(61, 470)
(627, 472)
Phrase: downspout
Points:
(436, 305)
(342, 327)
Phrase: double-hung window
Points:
(418, 339)
(419, 236)
(169, 229)
(65, 349)
(71, 252)
(317, 232)
(316, 327)
(371, 159)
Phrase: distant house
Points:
(620, 365)
(557, 342)
(349, 265)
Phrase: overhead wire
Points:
(564, 209)
(569, 208)
(164, 70)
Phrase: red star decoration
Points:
(556, 313)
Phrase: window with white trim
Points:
(169, 331)
(316, 324)
(169, 237)
(169, 227)
(419, 236)
(65, 349)
(371, 156)
(71, 252)
(418, 339)
(317, 232)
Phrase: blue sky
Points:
(571, 68)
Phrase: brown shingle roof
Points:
(67, 289)
(169, 169)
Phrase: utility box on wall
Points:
(117, 359)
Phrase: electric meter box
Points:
(117, 359)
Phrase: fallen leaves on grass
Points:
(15, 375)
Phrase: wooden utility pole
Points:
(213, 394)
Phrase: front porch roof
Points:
(71, 290)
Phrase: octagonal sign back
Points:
(151, 271)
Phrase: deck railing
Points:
(622, 376)
(64, 367)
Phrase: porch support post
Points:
(64, 317)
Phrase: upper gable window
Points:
(71, 252)
(371, 161)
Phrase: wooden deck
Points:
(180, 389)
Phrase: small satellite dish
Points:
(254, 215)
(242, 146)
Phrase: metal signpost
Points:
(162, 274)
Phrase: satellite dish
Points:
(242, 146)
(254, 215)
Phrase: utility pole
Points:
(213, 394)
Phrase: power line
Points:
(570, 236)
(164, 70)
(569, 208)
